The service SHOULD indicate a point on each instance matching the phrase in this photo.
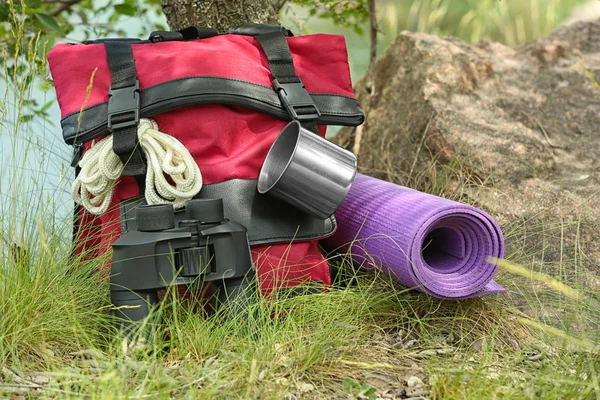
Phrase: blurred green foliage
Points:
(36, 25)
(347, 13)
(508, 21)
(54, 19)
(511, 22)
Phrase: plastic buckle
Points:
(294, 96)
(121, 102)
(77, 154)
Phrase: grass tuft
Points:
(365, 336)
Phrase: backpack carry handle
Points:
(185, 34)
(200, 32)
(252, 29)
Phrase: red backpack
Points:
(225, 97)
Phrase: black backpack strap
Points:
(124, 110)
(290, 88)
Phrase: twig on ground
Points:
(548, 137)
(19, 386)
(10, 374)
(22, 384)
(15, 388)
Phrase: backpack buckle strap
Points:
(123, 107)
(296, 100)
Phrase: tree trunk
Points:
(219, 14)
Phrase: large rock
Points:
(514, 131)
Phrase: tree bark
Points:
(369, 87)
(219, 14)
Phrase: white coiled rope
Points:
(101, 167)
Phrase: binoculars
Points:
(192, 248)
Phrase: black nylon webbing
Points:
(120, 64)
(281, 65)
(278, 54)
(124, 88)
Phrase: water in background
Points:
(35, 171)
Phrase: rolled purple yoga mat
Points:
(428, 243)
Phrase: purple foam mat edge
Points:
(387, 226)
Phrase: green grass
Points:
(366, 333)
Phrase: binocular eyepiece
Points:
(165, 248)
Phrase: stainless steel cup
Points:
(307, 171)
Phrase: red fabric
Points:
(320, 60)
(227, 142)
(88, 243)
(284, 265)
